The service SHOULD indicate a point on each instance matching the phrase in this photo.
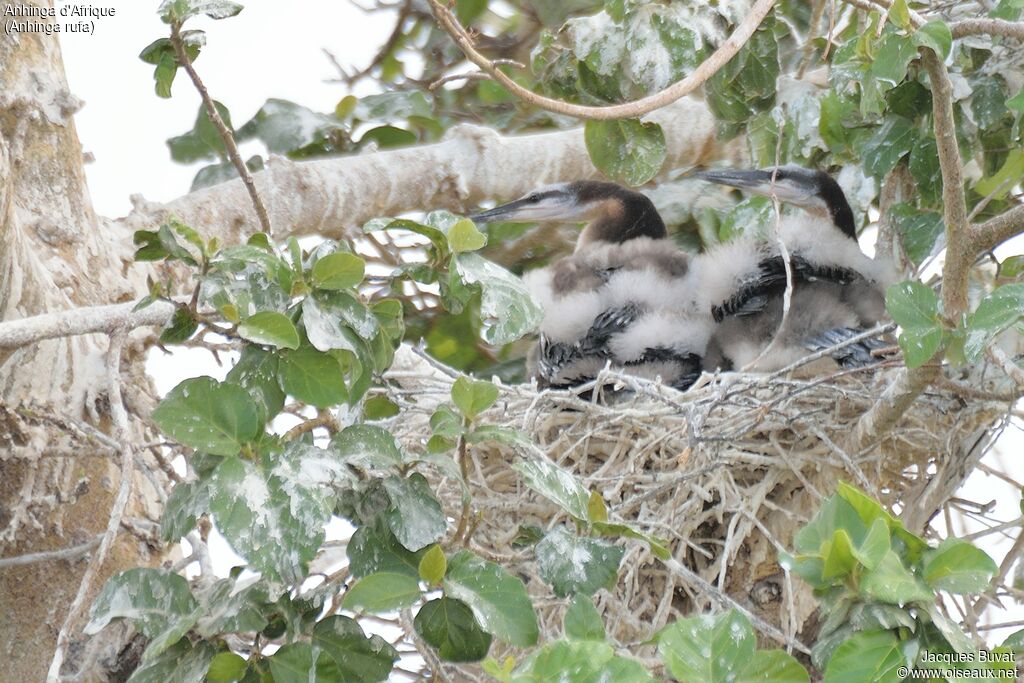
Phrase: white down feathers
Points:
(651, 279)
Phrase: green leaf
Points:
(182, 663)
(747, 83)
(866, 656)
(1009, 174)
(225, 668)
(839, 561)
(179, 328)
(576, 565)
(215, 174)
(224, 608)
(580, 661)
(1016, 102)
(270, 328)
(433, 566)
(936, 36)
(388, 136)
(582, 620)
(293, 663)
(707, 648)
(892, 141)
(415, 516)
(472, 397)
(373, 548)
(952, 632)
(918, 230)
(177, 11)
(188, 500)
(626, 150)
(875, 546)
(367, 447)
(997, 312)
(392, 106)
(379, 407)
(208, 416)
(203, 141)
(464, 236)
(506, 309)
(1015, 641)
(339, 270)
(498, 599)
(891, 582)
(256, 372)
(958, 567)
(337, 320)
(313, 377)
(360, 659)
(275, 519)
(289, 128)
(154, 600)
(892, 58)
(774, 666)
(448, 625)
(915, 307)
(382, 592)
(555, 484)
(835, 513)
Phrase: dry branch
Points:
(222, 129)
(705, 70)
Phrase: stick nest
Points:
(726, 473)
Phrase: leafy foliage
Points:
(318, 329)
(877, 584)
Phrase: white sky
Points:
(272, 49)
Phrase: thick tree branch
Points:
(88, 320)
(995, 231)
(959, 252)
(904, 388)
(990, 27)
(222, 129)
(331, 196)
(705, 70)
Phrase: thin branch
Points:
(1012, 370)
(645, 105)
(989, 27)
(87, 320)
(397, 33)
(324, 419)
(71, 553)
(119, 417)
(995, 231)
(474, 75)
(222, 129)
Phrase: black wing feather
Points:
(754, 294)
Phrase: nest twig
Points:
(726, 472)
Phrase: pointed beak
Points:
(506, 212)
(763, 182)
(752, 180)
(555, 207)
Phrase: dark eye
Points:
(533, 198)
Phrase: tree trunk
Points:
(56, 485)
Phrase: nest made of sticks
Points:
(726, 472)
